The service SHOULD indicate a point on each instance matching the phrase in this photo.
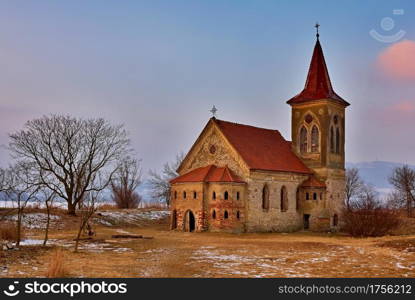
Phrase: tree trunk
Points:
(71, 209)
(47, 226)
(78, 236)
(18, 229)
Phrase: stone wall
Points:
(273, 219)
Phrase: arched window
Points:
(225, 214)
(331, 139)
(314, 196)
(303, 140)
(284, 199)
(337, 140)
(184, 195)
(238, 215)
(226, 195)
(214, 195)
(307, 196)
(335, 220)
(265, 197)
(214, 214)
(237, 195)
(315, 139)
(194, 195)
(175, 194)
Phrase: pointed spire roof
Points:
(318, 84)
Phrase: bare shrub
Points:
(8, 232)
(368, 216)
(57, 267)
(403, 180)
(160, 182)
(124, 183)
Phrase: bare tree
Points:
(354, 185)
(403, 179)
(88, 207)
(71, 153)
(125, 181)
(160, 183)
(21, 189)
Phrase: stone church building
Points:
(241, 178)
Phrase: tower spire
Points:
(318, 84)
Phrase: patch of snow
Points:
(35, 220)
(110, 218)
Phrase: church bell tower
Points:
(318, 125)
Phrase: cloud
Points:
(399, 114)
(398, 61)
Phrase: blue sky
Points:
(159, 66)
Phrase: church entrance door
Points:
(190, 221)
(306, 222)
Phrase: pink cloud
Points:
(402, 112)
(398, 60)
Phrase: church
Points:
(241, 178)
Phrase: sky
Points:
(159, 66)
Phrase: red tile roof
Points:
(210, 173)
(318, 84)
(262, 149)
(313, 182)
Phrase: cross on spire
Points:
(317, 26)
(213, 111)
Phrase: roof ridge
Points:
(246, 125)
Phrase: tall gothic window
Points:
(303, 140)
(284, 199)
(265, 197)
(331, 139)
(337, 140)
(315, 139)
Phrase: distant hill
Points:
(376, 173)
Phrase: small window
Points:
(314, 196)
(175, 194)
(265, 197)
(307, 196)
(297, 199)
(225, 214)
(194, 195)
(214, 214)
(226, 195)
(214, 195)
(237, 195)
(284, 199)
(337, 140)
(238, 215)
(184, 195)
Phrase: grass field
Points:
(165, 253)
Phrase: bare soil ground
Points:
(178, 254)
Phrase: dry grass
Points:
(8, 232)
(154, 205)
(57, 267)
(179, 254)
(107, 206)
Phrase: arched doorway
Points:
(189, 221)
(174, 219)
